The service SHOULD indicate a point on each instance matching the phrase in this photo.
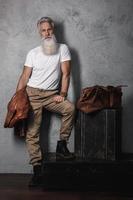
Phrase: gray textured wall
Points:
(100, 36)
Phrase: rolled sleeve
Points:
(65, 53)
(29, 60)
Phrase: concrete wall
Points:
(100, 36)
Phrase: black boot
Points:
(36, 179)
(62, 152)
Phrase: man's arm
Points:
(65, 79)
(65, 68)
(24, 78)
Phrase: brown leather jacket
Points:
(18, 108)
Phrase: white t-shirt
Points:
(46, 71)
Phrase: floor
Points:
(15, 187)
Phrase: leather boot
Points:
(62, 152)
(36, 179)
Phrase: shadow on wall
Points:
(76, 69)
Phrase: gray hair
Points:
(45, 19)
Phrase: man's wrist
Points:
(63, 94)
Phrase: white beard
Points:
(50, 45)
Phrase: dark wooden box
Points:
(98, 135)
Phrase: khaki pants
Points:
(40, 99)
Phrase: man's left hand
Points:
(59, 99)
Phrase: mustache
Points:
(49, 37)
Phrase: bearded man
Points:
(46, 68)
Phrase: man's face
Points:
(45, 30)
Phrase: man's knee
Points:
(70, 108)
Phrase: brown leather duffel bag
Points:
(98, 97)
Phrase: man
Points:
(46, 68)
